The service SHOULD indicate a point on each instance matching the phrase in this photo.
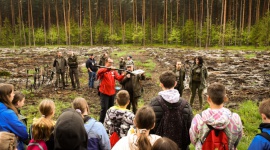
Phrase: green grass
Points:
(249, 56)
(248, 112)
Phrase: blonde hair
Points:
(81, 104)
(43, 127)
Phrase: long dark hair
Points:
(5, 91)
(200, 60)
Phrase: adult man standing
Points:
(92, 69)
(103, 58)
(173, 113)
(73, 70)
(107, 86)
(131, 83)
(180, 77)
(60, 65)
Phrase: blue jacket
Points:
(10, 122)
(98, 138)
(259, 142)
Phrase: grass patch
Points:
(249, 56)
(248, 111)
(148, 64)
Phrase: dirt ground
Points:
(246, 74)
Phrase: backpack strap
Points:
(36, 144)
(91, 122)
(265, 135)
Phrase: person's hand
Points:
(112, 68)
(128, 75)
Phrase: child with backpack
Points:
(42, 128)
(216, 127)
(97, 136)
(173, 113)
(118, 119)
(141, 139)
(262, 141)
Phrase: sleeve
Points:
(54, 63)
(257, 143)
(184, 74)
(104, 141)
(193, 131)
(16, 126)
(101, 71)
(124, 80)
(118, 77)
(239, 127)
(206, 73)
(107, 121)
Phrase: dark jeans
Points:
(134, 103)
(194, 88)
(92, 77)
(62, 74)
(73, 72)
(106, 102)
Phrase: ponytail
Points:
(42, 129)
(143, 141)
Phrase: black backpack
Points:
(172, 124)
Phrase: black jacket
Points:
(187, 111)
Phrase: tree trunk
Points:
(65, 20)
(143, 20)
(69, 6)
(207, 26)
(249, 15)
(201, 23)
(221, 22)
(80, 21)
(12, 21)
(196, 22)
(258, 10)
(44, 21)
(90, 22)
(29, 23)
(57, 22)
(49, 18)
(224, 23)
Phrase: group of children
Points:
(75, 129)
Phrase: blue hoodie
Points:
(98, 138)
(10, 122)
(259, 142)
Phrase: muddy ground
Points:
(246, 74)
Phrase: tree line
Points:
(199, 23)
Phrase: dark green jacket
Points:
(203, 76)
(180, 80)
(72, 61)
(133, 85)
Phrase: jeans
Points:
(106, 102)
(92, 77)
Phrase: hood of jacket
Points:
(217, 118)
(171, 96)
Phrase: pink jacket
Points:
(219, 119)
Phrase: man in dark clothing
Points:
(180, 77)
(103, 58)
(172, 100)
(60, 65)
(122, 65)
(92, 69)
(73, 70)
(132, 84)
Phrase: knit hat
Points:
(69, 132)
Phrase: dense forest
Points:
(200, 23)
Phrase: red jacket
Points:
(107, 77)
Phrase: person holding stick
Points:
(107, 76)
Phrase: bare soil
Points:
(246, 74)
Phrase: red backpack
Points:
(114, 139)
(215, 140)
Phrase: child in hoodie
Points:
(172, 99)
(259, 142)
(218, 117)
